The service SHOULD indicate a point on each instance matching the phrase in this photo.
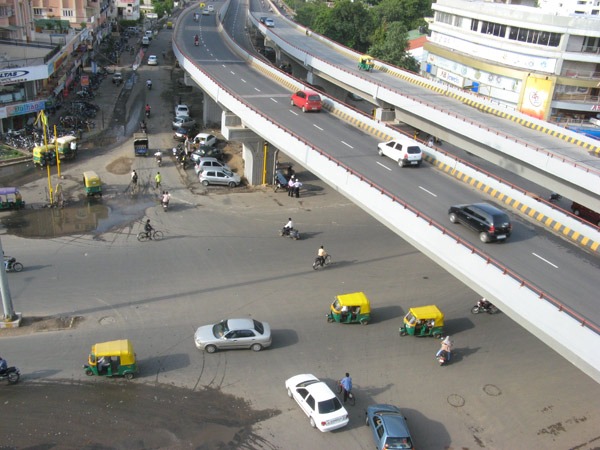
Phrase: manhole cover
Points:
(456, 400)
(492, 390)
(107, 320)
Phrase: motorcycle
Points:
(11, 374)
(11, 264)
(165, 206)
(484, 306)
(147, 114)
(159, 160)
(442, 357)
(554, 197)
(149, 85)
(293, 233)
(196, 43)
(321, 262)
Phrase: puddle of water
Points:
(86, 216)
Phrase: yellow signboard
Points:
(536, 97)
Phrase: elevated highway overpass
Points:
(549, 291)
(558, 159)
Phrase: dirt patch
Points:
(113, 413)
(37, 324)
(120, 166)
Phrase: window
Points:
(458, 21)
(67, 12)
(474, 24)
(310, 401)
(444, 17)
(534, 36)
(38, 11)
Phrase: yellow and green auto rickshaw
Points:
(365, 62)
(423, 321)
(92, 183)
(111, 359)
(350, 308)
(44, 155)
(10, 198)
(67, 147)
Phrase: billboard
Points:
(536, 97)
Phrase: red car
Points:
(307, 100)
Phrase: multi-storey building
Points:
(43, 44)
(543, 63)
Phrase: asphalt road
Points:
(222, 257)
(565, 272)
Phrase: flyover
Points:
(252, 102)
(553, 157)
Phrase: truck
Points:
(140, 144)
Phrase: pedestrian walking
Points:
(297, 186)
(430, 141)
(290, 186)
(158, 179)
(134, 180)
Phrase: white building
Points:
(545, 64)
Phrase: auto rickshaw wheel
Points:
(89, 372)
(129, 376)
(329, 319)
(437, 335)
(402, 332)
(364, 322)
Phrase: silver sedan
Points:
(233, 333)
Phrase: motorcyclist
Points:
(149, 83)
(196, 40)
(445, 349)
(165, 198)
(3, 365)
(289, 226)
(148, 108)
(321, 255)
(485, 304)
(148, 229)
(158, 156)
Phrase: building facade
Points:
(544, 64)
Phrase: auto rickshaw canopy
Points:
(355, 299)
(425, 313)
(91, 179)
(365, 59)
(122, 348)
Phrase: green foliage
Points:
(308, 12)
(390, 42)
(409, 13)
(348, 23)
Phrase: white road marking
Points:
(545, 260)
(273, 100)
(346, 144)
(243, 81)
(429, 192)
(257, 90)
(317, 127)
(384, 166)
(293, 112)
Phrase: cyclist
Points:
(321, 255)
(346, 384)
(148, 229)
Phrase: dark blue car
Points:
(389, 427)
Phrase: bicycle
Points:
(145, 235)
(321, 262)
(351, 397)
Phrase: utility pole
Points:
(9, 312)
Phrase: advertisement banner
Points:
(535, 101)
(22, 74)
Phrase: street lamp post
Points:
(9, 312)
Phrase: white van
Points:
(145, 41)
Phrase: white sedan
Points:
(319, 403)
(205, 139)
(152, 60)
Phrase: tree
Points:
(308, 12)
(347, 23)
(390, 42)
(410, 13)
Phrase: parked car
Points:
(205, 139)
(210, 8)
(307, 100)
(269, 22)
(233, 333)
(389, 427)
(404, 151)
(207, 162)
(204, 151)
(145, 41)
(183, 122)
(180, 134)
(152, 60)
(491, 223)
(219, 176)
(182, 110)
(317, 400)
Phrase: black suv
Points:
(491, 223)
